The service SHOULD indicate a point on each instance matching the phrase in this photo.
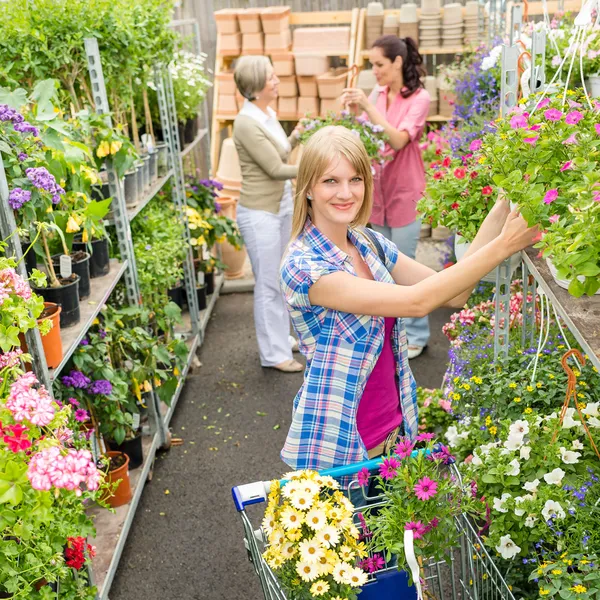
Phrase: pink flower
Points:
(425, 437)
(417, 528)
(445, 405)
(363, 477)
(404, 448)
(535, 127)
(552, 114)
(596, 196)
(544, 103)
(431, 525)
(531, 140)
(518, 122)
(554, 219)
(597, 128)
(573, 104)
(460, 173)
(487, 190)
(572, 139)
(18, 440)
(475, 145)
(425, 489)
(573, 117)
(568, 165)
(551, 196)
(388, 469)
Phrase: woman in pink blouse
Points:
(400, 105)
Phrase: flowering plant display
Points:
(313, 544)
(547, 162)
(372, 136)
(190, 83)
(435, 412)
(421, 493)
(433, 145)
(569, 576)
(460, 193)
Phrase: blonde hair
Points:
(323, 146)
(251, 74)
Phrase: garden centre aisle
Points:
(186, 541)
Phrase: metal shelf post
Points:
(168, 119)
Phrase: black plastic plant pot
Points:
(209, 281)
(66, 296)
(100, 192)
(30, 259)
(177, 295)
(190, 131)
(201, 293)
(99, 257)
(80, 265)
(181, 129)
(133, 449)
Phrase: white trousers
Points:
(266, 236)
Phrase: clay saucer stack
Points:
(473, 36)
(452, 26)
(374, 22)
(430, 24)
(390, 24)
(408, 22)
(431, 86)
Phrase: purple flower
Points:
(101, 333)
(551, 196)
(552, 114)
(81, 415)
(76, 379)
(217, 185)
(568, 165)
(42, 179)
(22, 156)
(573, 117)
(73, 401)
(84, 342)
(147, 247)
(217, 207)
(18, 197)
(518, 122)
(102, 387)
(26, 127)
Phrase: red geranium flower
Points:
(474, 174)
(446, 162)
(455, 206)
(438, 175)
(487, 190)
(460, 173)
(17, 441)
(75, 552)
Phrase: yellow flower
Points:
(455, 396)
(481, 160)
(583, 561)
(551, 376)
(538, 385)
(512, 386)
(493, 430)
(294, 535)
(456, 379)
(544, 592)
(72, 225)
(528, 410)
(576, 372)
(579, 589)
(103, 149)
(580, 395)
(291, 518)
(583, 384)
(466, 386)
(488, 421)
(556, 572)
(221, 239)
(517, 399)
(346, 553)
(115, 146)
(560, 346)
(318, 588)
(529, 388)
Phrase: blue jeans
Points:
(406, 238)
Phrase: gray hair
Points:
(251, 74)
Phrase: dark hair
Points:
(412, 62)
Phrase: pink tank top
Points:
(379, 409)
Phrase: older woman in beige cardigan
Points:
(265, 209)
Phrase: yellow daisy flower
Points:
(291, 518)
(307, 571)
(318, 588)
(310, 550)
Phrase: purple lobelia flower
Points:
(102, 387)
(26, 127)
(18, 197)
(76, 379)
(42, 179)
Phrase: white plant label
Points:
(136, 420)
(66, 269)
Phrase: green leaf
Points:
(15, 98)
(576, 288)
(98, 209)
(10, 483)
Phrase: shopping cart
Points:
(469, 575)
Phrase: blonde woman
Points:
(265, 209)
(348, 291)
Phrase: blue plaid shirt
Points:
(341, 350)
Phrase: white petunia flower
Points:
(500, 503)
(476, 461)
(514, 441)
(569, 457)
(555, 477)
(594, 422)
(507, 548)
(485, 449)
(520, 427)
(519, 511)
(591, 409)
(525, 452)
(577, 445)
(530, 521)
(569, 421)
(532, 486)
(553, 509)
(515, 468)
(452, 435)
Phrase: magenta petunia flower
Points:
(535, 127)
(363, 477)
(388, 469)
(551, 196)
(518, 122)
(531, 140)
(597, 128)
(596, 196)
(554, 218)
(425, 489)
(553, 114)
(404, 448)
(573, 117)
(572, 139)
(425, 437)
(544, 103)
(417, 528)
(573, 104)
(81, 415)
(568, 165)
(475, 145)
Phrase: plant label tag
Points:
(136, 420)
(200, 278)
(65, 266)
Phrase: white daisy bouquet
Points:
(313, 544)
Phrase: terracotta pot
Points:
(278, 42)
(288, 108)
(51, 342)
(122, 494)
(275, 19)
(283, 64)
(308, 86)
(288, 88)
(331, 85)
(249, 20)
(132, 448)
(233, 259)
(226, 83)
(332, 41)
(227, 21)
(311, 64)
(308, 106)
(231, 44)
(229, 163)
(253, 43)
(227, 104)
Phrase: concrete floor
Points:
(186, 542)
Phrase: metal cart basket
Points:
(470, 575)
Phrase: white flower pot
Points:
(461, 247)
(593, 86)
(563, 283)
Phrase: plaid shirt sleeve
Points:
(298, 275)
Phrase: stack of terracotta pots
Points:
(430, 24)
(330, 87)
(408, 22)
(431, 87)
(452, 26)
